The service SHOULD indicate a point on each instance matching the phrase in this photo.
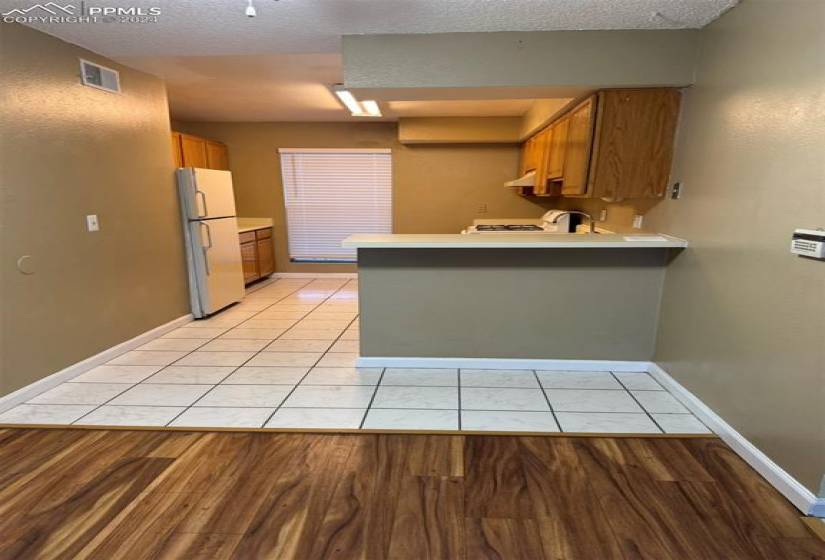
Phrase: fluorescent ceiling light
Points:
(357, 108)
(371, 107)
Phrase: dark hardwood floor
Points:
(143, 494)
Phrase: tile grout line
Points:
(300, 381)
(241, 365)
(129, 386)
(546, 398)
(372, 399)
(373, 408)
(458, 381)
(632, 396)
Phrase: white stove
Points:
(554, 221)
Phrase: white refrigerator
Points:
(213, 252)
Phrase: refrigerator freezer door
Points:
(217, 263)
(206, 193)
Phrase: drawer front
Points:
(265, 233)
(247, 236)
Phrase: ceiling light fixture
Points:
(368, 108)
(371, 107)
(250, 9)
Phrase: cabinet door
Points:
(249, 260)
(528, 156)
(177, 153)
(194, 151)
(266, 258)
(577, 150)
(634, 142)
(555, 155)
(541, 147)
(217, 155)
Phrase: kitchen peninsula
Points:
(514, 296)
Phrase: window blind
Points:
(331, 194)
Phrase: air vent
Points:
(100, 77)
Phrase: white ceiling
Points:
(221, 65)
(219, 27)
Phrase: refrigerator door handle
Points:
(205, 248)
(203, 200)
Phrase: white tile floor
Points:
(285, 358)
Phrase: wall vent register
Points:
(99, 77)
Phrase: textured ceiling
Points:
(221, 65)
(219, 27)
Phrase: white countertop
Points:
(513, 240)
(251, 224)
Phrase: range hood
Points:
(526, 180)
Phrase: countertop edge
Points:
(457, 241)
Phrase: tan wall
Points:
(562, 60)
(436, 189)
(743, 321)
(540, 113)
(452, 130)
(569, 304)
(66, 151)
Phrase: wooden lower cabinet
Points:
(257, 254)
(266, 257)
(249, 259)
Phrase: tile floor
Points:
(285, 358)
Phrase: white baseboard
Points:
(315, 275)
(804, 500)
(502, 363)
(818, 508)
(29, 391)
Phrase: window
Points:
(331, 194)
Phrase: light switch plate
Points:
(91, 223)
(637, 221)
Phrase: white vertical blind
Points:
(331, 194)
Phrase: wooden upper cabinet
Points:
(177, 152)
(577, 149)
(633, 148)
(542, 144)
(528, 156)
(217, 155)
(555, 152)
(194, 151)
(614, 145)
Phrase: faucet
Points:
(585, 214)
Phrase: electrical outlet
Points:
(676, 191)
(637, 221)
(91, 223)
(482, 208)
(603, 215)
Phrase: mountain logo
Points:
(49, 7)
